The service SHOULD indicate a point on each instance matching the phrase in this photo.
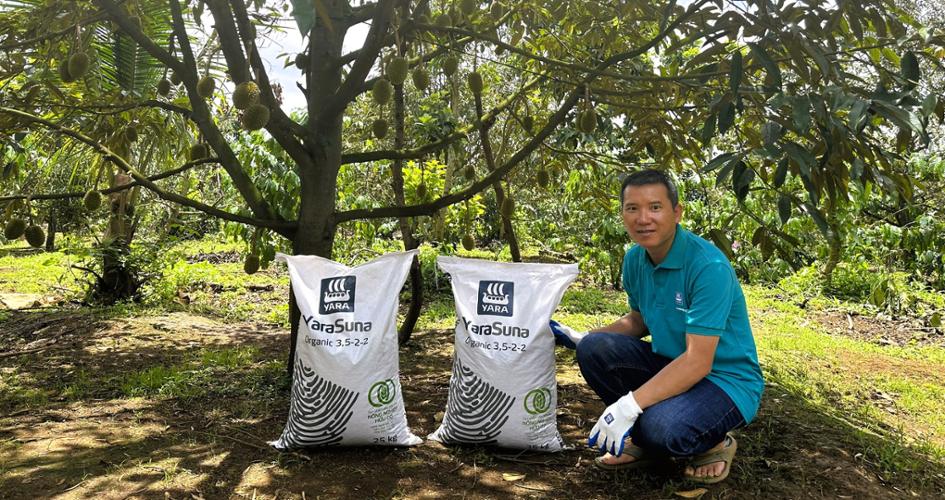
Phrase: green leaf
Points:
(801, 114)
(784, 208)
(900, 117)
(801, 157)
(767, 247)
(726, 117)
(708, 130)
(770, 133)
(780, 173)
(909, 69)
(735, 73)
(815, 51)
(741, 180)
(856, 171)
(757, 236)
(929, 104)
(857, 115)
(721, 241)
(818, 219)
(304, 15)
(718, 161)
(771, 67)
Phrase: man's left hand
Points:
(614, 425)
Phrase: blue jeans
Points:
(681, 426)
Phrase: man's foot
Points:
(632, 457)
(713, 465)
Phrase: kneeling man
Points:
(680, 394)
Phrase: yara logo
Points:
(337, 295)
(496, 298)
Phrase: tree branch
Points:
(351, 87)
(31, 42)
(556, 119)
(462, 132)
(284, 228)
(429, 208)
(64, 196)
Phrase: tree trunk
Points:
(835, 241)
(406, 228)
(52, 225)
(119, 280)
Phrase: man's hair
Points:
(650, 176)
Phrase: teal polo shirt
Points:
(694, 290)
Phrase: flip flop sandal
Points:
(642, 460)
(726, 454)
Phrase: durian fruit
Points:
(443, 20)
(198, 151)
(421, 190)
(245, 95)
(528, 123)
(397, 70)
(301, 61)
(474, 80)
(587, 120)
(78, 65)
(175, 78)
(450, 64)
(164, 87)
(14, 229)
(255, 117)
(468, 242)
(92, 200)
(64, 74)
(421, 79)
(131, 133)
(542, 178)
(205, 86)
(469, 173)
(508, 206)
(380, 128)
(423, 19)
(468, 7)
(251, 264)
(382, 91)
(35, 236)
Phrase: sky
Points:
(290, 41)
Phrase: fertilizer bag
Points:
(503, 390)
(346, 383)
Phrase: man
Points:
(699, 378)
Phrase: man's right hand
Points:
(566, 336)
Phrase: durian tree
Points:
(758, 93)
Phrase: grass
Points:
(35, 272)
(892, 391)
(895, 392)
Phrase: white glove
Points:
(614, 425)
(566, 336)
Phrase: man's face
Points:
(650, 218)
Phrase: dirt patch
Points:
(880, 331)
(212, 442)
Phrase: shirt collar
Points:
(676, 257)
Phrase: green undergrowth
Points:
(25, 270)
(897, 392)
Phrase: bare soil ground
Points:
(70, 432)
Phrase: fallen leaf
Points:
(512, 476)
(696, 493)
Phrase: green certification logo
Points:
(382, 393)
(537, 401)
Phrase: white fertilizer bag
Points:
(503, 390)
(346, 384)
